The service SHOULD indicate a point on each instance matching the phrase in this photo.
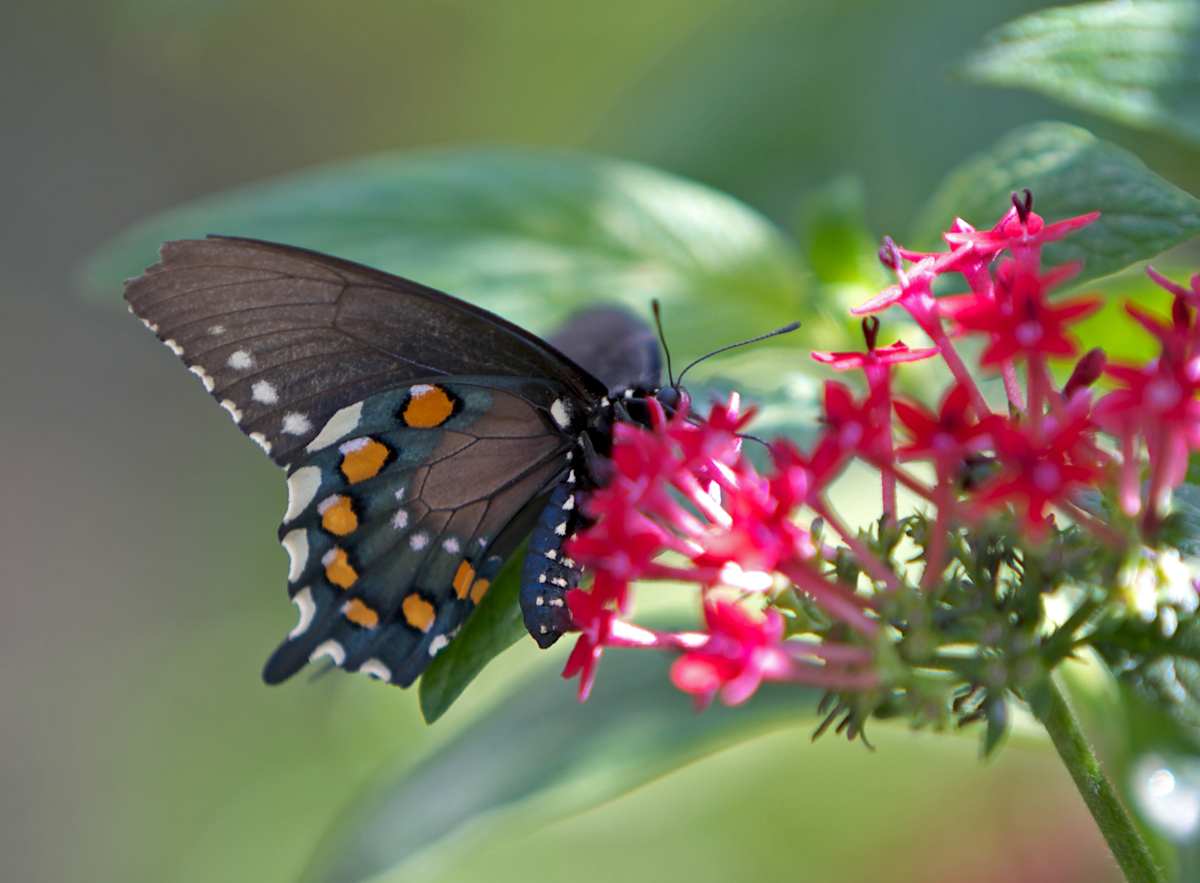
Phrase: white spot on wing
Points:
(376, 669)
(264, 392)
(308, 609)
(438, 644)
(216, 330)
(561, 414)
(234, 411)
(338, 426)
(400, 520)
(561, 530)
(240, 360)
(295, 543)
(146, 322)
(451, 545)
(419, 390)
(295, 423)
(204, 378)
(400, 495)
(173, 347)
(569, 503)
(418, 541)
(261, 440)
(302, 486)
(355, 444)
(332, 649)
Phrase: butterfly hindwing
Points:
(394, 517)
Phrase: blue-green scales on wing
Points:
(423, 437)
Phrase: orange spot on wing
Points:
(477, 590)
(337, 515)
(462, 579)
(428, 406)
(360, 614)
(418, 612)
(338, 569)
(362, 459)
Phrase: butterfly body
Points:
(423, 438)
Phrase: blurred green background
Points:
(143, 585)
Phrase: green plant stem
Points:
(1123, 837)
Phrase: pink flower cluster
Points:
(682, 489)
(684, 503)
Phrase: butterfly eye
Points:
(668, 397)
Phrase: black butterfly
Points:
(423, 437)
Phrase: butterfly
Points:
(423, 437)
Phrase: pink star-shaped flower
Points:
(742, 650)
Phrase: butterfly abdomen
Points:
(547, 574)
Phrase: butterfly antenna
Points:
(786, 329)
(657, 307)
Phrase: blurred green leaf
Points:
(1165, 672)
(838, 242)
(1137, 63)
(532, 235)
(539, 742)
(1171, 683)
(494, 626)
(1070, 172)
(1185, 505)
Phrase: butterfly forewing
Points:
(283, 338)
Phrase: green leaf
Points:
(494, 626)
(1164, 672)
(1170, 679)
(1185, 506)
(1172, 684)
(532, 235)
(542, 750)
(838, 242)
(1070, 172)
(1137, 63)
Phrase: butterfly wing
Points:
(399, 518)
(283, 338)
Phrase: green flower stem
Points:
(1123, 837)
